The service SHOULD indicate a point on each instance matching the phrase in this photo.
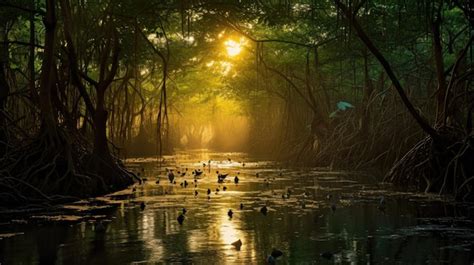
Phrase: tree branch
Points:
(388, 69)
(72, 56)
(22, 8)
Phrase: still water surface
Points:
(413, 228)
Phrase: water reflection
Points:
(228, 233)
(149, 236)
(414, 229)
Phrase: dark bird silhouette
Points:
(180, 218)
(100, 227)
(327, 255)
(276, 253)
(183, 174)
(228, 159)
(237, 244)
(197, 173)
(224, 188)
(381, 205)
(333, 203)
(273, 256)
(217, 190)
(185, 211)
(196, 193)
(134, 189)
(142, 206)
(230, 213)
(257, 174)
(157, 181)
(208, 191)
(236, 180)
(243, 164)
(241, 206)
(208, 197)
(264, 210)
(185, 184)
(221, 177)
(171, 176)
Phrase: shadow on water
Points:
(328, 218)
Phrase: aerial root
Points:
(444, 167)
(50, 170)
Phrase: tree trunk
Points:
(4, 86)
(101, 147)
(31, 56)
(110, 50)
(368, 90)
(47, 70)
(439, 63)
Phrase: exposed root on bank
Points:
(56, 167)
(444, 167)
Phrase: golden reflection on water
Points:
(194, 240)
(148, 234)
(228, 230)
(216, 231)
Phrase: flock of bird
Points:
(172, 177)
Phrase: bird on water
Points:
(180, 218)
(237, 244)
(272, 258)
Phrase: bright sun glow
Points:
(233, 48)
